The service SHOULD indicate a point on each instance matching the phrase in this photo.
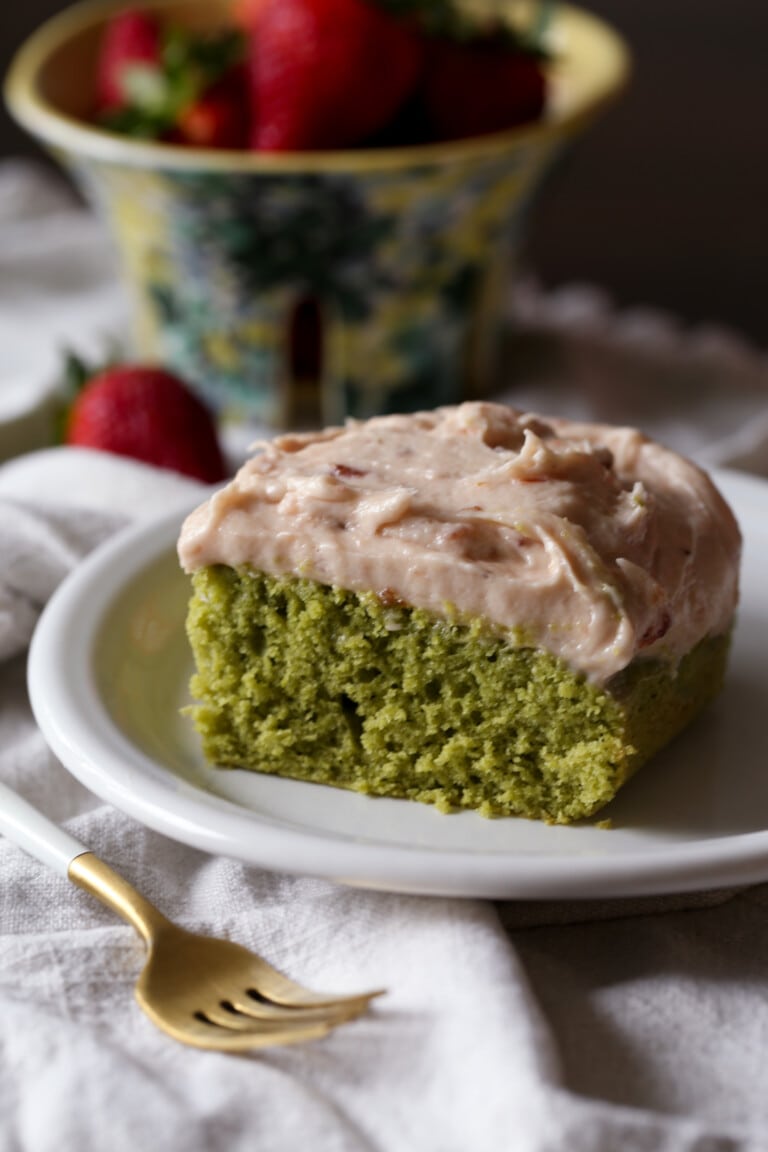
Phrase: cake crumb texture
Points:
(300, 679)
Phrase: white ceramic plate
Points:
(108, 675)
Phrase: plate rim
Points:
(104, 760)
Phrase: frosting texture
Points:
(591, 541)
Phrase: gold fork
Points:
(203, 991)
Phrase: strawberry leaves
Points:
(156, 94)
(312, 75)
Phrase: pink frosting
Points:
(587, 540)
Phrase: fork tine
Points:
(272, 985)
(244, 1022)
(201, 1034)
(304, 998)
(259, 1009)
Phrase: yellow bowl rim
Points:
(70, 135)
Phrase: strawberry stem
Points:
(536, 36)
(447, 18)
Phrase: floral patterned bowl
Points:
(298, 289)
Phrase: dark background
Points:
(665, 201)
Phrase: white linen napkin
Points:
(626, 1027)
(637, 1032)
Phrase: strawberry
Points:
(328, 73)
(219, 117)
(478, 86)
(131, 39)
(148, 414)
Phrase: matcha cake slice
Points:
(473, 607)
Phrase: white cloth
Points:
(637, 1026)
(58, 292)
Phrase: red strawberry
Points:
(150, 415)
(130, 38)
(480, 86)
(219, 118)
(328, 73)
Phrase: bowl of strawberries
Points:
(317, 203)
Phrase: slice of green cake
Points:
(472, 607)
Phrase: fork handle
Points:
(21, 822)
(35, 833)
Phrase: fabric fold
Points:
(56, 505)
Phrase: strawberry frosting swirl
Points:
(590, 541)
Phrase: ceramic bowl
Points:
(302, 288)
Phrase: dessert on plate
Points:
(474, 607)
